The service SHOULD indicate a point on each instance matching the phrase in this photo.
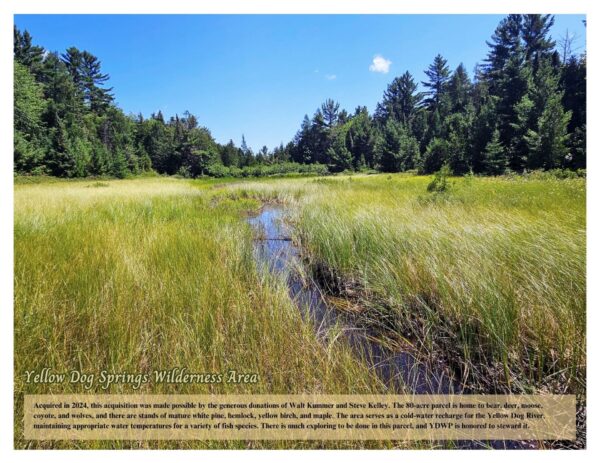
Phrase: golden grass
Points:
(492, 272)
(143, 274)
(149, 274)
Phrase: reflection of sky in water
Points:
(401, 371)
(275, 252)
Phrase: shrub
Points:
(440, 183)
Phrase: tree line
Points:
(524, 109)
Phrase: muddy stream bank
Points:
(401, 370)
(275, 252)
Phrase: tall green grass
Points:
(136, 275)
(490, 274)
(151, 274)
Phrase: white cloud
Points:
(380, 64)
(330, 76)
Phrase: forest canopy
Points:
(524, 108)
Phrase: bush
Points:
(435, 156)
(558, 174)
(218, 170)
(440, 183)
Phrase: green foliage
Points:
(435, 156)
(400, 101)
(523, 109)
(262, 170)
(497, 268)
(28, 124)
(440, 182)
(340, 157)
(495, 159)
(438, 75)
(458, 129)
(397, 149)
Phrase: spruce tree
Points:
(438, 75)
(400, 101)
(495, 160)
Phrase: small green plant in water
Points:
(440, 182)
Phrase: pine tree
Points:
(360, 139)
(29, 105)
(514, 86)
(505, 43)
(548, 144)
(400, 101)
(302, 152)
(459, 90)
(458, 128)
(245, 153)
(495, 160)
(397, 149)
(340, 158)
(540, 137)
(85, 70)
(483, 129)
(438, 74)
(436, 155)
(25, 53)
(535, 33)
(330, 111)
(229, 155)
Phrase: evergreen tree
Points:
(338, 155)
(458, 128)
(25, 53)
(495, 160)
(438, 75)
(360, 139)
(526, 108)
(514, 87)
(505, 43)
(29, 128)
(85, 70)
(573, 84)
(245, 153)
(303, 152)
(330, 113)
(548, 144)
(436, 155)
(397, 149)
(459, 90)
(535, 33)
(483, 129)
(229, 155)
(400, 101)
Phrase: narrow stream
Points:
(275, 252)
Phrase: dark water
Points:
(275, 253)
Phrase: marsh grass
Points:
(152, 274)
(491, 272)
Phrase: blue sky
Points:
(258, 75)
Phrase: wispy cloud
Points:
(380, 64)
(330, 76)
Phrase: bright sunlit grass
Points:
(150, 274)
(144, 274)
(492, 273)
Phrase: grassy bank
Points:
(491, 273)
(149, 274)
